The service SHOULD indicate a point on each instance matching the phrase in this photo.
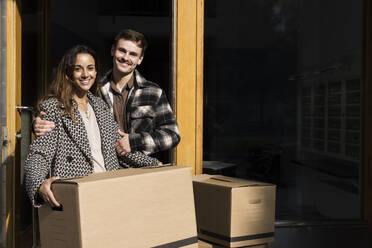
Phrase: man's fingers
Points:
(40, 123)
(122, 134)
(122, 145)
(42, 127)
(121, 152)
(52, 179)
(45, 126)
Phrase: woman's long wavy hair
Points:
(62, 87)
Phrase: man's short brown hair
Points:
(132, 35)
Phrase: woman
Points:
(85, 134)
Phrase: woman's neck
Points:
(81, 101)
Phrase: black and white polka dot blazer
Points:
(65, 151)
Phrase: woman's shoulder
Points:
(51, 107)
(97, 100)
(50, 103)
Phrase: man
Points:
(139, 106)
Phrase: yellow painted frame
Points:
(189, 87)
(13, 87)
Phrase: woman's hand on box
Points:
(46, 193)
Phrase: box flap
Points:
(201, 177)
(229, 182)
(112, 175)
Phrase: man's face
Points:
(126, 56)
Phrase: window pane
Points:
(282, 101)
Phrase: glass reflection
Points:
(282, 101)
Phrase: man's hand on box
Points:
(41, 127)
(46, 193)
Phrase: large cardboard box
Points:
(148, 207)
(234, 212)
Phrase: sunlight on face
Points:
(84, 73)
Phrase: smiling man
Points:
(140, 106)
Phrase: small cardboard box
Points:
(234, 212)
(147, 207)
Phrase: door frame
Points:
(9, 157)
(189, 36)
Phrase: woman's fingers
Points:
(52, 201)
(46, 192)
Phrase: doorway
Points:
(49, 28)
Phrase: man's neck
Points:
(121, 80)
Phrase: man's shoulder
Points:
(143, 82)
(150, 84)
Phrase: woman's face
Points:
(84, 73)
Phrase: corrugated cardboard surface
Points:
(126, 208)
(234, 212)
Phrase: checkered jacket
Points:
(65, 151)
(151, 122)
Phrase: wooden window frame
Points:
(189, 36)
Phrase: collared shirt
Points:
(120, 97)
(152, 124)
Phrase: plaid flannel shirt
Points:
(152, 126)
